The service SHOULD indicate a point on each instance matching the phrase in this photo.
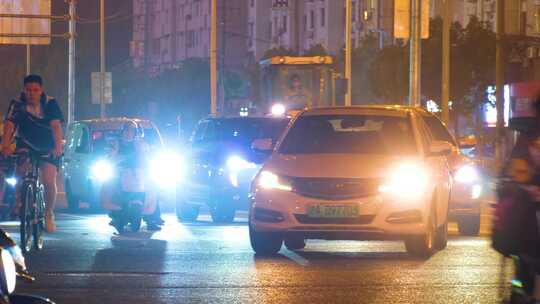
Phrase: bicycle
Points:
(32, 209)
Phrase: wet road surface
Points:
(208, 263)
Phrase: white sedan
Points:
(353, 173)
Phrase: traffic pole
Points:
(71, 60)
(28, 59)
(415, 53)
(102, 63)
(500, 82)
(213, 59)
(348, 52)
(445, 94)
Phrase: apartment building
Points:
(299, 25)
(166, 32)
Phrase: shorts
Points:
(43, 158)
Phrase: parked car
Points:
(353, 173)
(87, 142)
(223, 164)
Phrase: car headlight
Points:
(270, 181)
(12, 181)
(102, 170)
(278, 109)
(467, 175)
(236, 163)
(409, 180)
(167, 169)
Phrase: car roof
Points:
(385, 110)
(115, 123)
(248, 118)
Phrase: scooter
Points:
(13, 267)
(133, 198)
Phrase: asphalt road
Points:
(206, 263)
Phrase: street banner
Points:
(25, 26)
(402, 19)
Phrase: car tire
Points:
(187, 213)
(469, 225)
(441, 240)
(423, 246)
(222, 214)
(265, 243)
(295, 243)
(72, 199)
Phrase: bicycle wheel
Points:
(26, 226)
(39, 220)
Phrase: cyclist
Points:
(35, 120)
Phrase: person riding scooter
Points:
(130, 185)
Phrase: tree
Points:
(279, 51)
(316, 50)
(388, 74)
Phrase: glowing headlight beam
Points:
(278, 109)
(270, 181)
(467, 175)
(167, 169)
(236, 163)
(12, 181)
(102, 170)
(408, 180)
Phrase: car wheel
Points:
(186, 212)
(469, 225)
(441, 240)
(295, 243)
(222, 214)
(72, 199)
(265, 243)
(423, 246)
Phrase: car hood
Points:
(335, 165)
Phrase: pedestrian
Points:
(523, 216)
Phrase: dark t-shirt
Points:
(32, 131)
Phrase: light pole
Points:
(71, 60)
(213, 58)
(499, 79)
(415, 56)
(102, 67)
(348, 51)
(445, 94)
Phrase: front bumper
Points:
(220, 188)
(379, 217)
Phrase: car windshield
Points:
(350, 134)
(245, 130)
(103, 139)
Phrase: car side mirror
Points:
(440, 148)
(262, 145)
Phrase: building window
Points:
(252, 3)
(305, 22)
(190, 39)
(251, 30)
(311, 19)
(284, 28)
(323, 16)
(155, 47)
(276, 25)
(537, 19)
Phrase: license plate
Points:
(333, 211)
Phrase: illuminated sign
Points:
(25, 26)
(490, 108)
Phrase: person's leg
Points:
(48, 179)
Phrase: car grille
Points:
(359, 220)
(335, 188)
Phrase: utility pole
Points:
(500, 82)
(102, 67)
(213, 58)
(348, 52)
(445, 94)
(416, 52)
(71, 60)
(28, 67)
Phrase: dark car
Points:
(223, 164)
